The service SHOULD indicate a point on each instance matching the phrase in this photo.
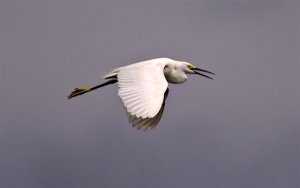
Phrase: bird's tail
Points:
(112, 74)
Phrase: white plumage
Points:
(143, 87)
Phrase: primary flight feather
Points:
(143, 87)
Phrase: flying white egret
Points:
(143, 87)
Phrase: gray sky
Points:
(240, 130)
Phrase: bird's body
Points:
(143, 87)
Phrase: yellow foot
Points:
(78, 91)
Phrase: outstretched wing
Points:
(141, 89)
(148, 123)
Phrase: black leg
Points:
(80, 91)
(104, 84)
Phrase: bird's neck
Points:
(175, 76)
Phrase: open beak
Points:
(202, 70)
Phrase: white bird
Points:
(143, 87)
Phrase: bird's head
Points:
(192, 69)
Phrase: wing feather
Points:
(142, 88)
(143, 91)
(148, 123)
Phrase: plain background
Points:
(240, 130)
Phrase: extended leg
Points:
(80, 91)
